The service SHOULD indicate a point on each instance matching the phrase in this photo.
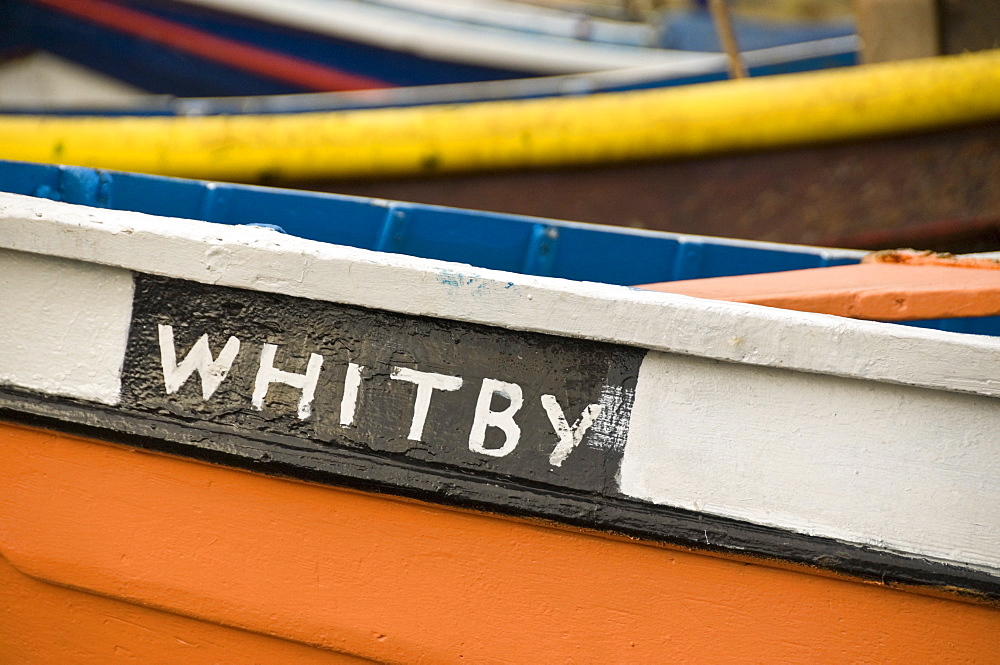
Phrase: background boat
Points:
(784, 484)
(217, 47)
(41, 84)
(884, 181)
(526, 245)
(868, 156)
(541, 247)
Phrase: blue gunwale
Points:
(527, 245)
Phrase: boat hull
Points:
(237, 438)
(201, 48)
(881, 193)
(846, 154)
(216, 557)
(190, 51)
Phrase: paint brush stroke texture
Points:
(49, 342)
(858, 458)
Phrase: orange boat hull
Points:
(116, 552)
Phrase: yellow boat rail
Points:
(749, 114)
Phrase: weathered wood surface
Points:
(939, 190)
(904, 29)
(898, 29)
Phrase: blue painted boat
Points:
(777, 60)
(550, 248)
(514, 243)
(221, 48)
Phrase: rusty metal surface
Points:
(834, 194)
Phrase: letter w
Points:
(199, 358)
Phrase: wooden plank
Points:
(874, 291)
(901, 191)
(897, 29)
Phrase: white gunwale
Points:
(262, 260)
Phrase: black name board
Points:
(437, 393)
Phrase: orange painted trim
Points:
(400, 581)
(896, 289)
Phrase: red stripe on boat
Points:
(284, 68)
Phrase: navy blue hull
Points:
(151, 47)
(158, 68)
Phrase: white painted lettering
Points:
(569, 437)
(268, 374)
(427, 383)
(199, 359)
(504, 420)
(349, 401)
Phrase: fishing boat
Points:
(906, 150)
(261, 47)
(43, 85)
(224, 442)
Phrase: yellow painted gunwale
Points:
(751, 114)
